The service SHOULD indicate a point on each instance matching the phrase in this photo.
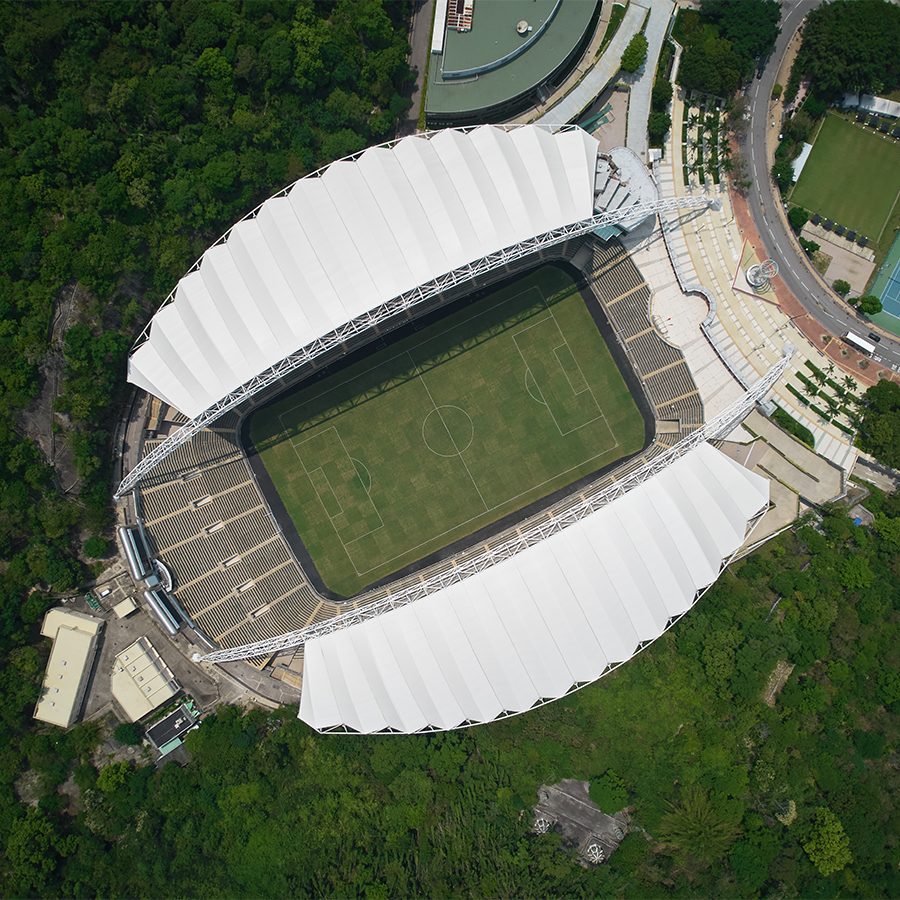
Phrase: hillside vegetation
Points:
(133, 134)
(731, 796)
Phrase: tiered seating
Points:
(632, 314)
(233, 571)
(618, 286)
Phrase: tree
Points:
(849, 46)
(870, 304)
(113, 776)
(608, 791)
(879, 430)
(31, 853)
(799, 126)
(635, 53)
(777, 90)
(810, 247)
(751, 26)
(96, 547)
(826, 843)
(128, 733)
(841, 287)
(798, 217)
(783, 174)
(658, 125)
(661, 96)
(697, 828)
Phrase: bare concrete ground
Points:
(612, 134)
(118, 634)
(845, 262)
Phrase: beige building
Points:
(75, 637)
(125, 607)
(141, 680)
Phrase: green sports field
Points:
(852, 176)
(447, 430)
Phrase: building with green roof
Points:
(490, 59)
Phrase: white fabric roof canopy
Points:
(553, 616)
(340, 244)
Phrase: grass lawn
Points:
(853, 177)
(447, 430)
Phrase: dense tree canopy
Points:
(851, 45)
(879, 431)
(133, 134)
(722, 42)
(725, 790)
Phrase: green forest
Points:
(722, 42)
(729, 796)
(134, 133)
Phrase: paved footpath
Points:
(747, 331)
(855, 364)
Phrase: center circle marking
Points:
(448, 431)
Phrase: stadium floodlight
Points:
(389, 310)
(530, 534)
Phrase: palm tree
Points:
(849, 382)
(829, 369)
(810, 389)
(819, 376)
(695, 830)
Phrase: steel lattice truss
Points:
(593, 500)
(389, 310)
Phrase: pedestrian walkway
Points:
(747, 333)
(596, 78)
(641, 88)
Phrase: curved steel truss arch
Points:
(386, 311)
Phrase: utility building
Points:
(75, 637)
(141, 680)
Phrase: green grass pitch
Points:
(852, 176)
(447, 430)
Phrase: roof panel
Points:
(536, 624)
(346, 241)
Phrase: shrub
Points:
(870, 305)
(798, 217)
(786, 421)
(841, 287)
(635, 53)
(96, 547)
(776, 90)
(128, 733)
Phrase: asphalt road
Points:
(834, 315)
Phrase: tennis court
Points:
(887, 283)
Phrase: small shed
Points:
(125, 607)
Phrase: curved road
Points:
(834, 315)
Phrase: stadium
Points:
(407, 437)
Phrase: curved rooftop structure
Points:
(338, 244)
(552, 618)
